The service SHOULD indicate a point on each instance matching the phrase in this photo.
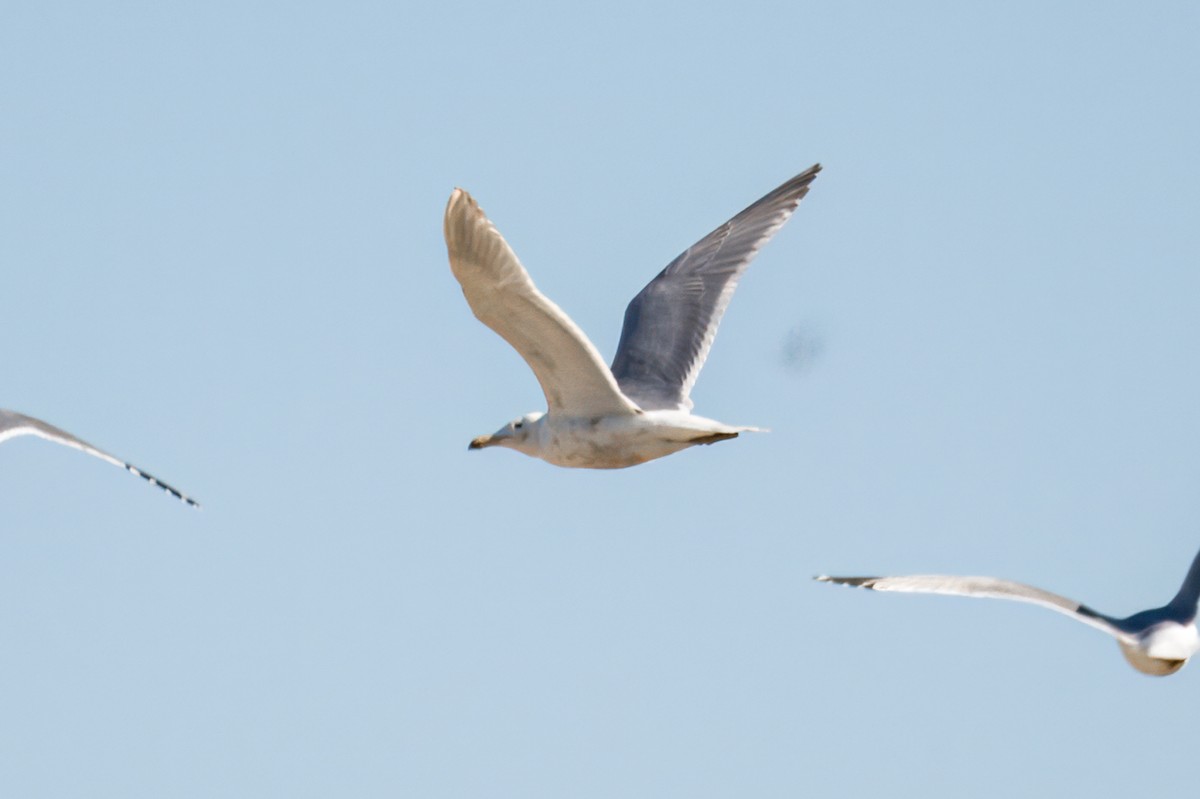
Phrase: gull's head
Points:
(519, 434)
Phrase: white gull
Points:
(1157, 641)
(13, 424)
(639, 410)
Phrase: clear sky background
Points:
(975, 345)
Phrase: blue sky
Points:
(220, 234)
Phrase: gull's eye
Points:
(518, 425)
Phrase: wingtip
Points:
(808, 176)
(460, 208)
(154, 481)
(849, 582)
(791, 191)
(456, 197)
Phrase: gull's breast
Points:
(611, 442)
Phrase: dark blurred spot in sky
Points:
(801, 348)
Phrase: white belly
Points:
(1164, 649)
(617, 442)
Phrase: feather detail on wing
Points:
(501, 294)
(670, 325)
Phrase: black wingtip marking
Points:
(850, 582)
(713, 438)
(803, 180)
(152, 480)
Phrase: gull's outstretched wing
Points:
(1184, 603)
(573, 377)
(670, 325)
(14, 424)
(988, 587)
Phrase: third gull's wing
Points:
(14, 424)
(989, 587)
(1184, 603)
(670, 325)
(573, 377)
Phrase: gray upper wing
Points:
(1184, 603)
(670, 325)
(18, 424)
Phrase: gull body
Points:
(1156, 642)
(599, 417)
(607, 442)
(13, 424)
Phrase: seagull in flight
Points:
(13, 424)
(599, 417)
(1157, 642)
